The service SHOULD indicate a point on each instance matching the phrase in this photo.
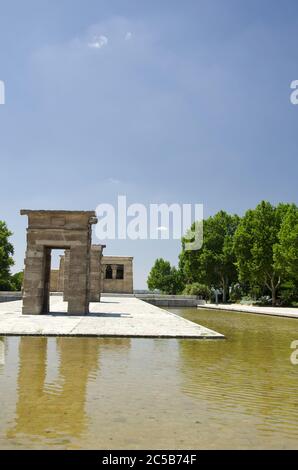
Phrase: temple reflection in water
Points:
(55, 407)
(2, 351)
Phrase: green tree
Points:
(17, 280)
(6, 261)
(255, 243)
(165, 278)
(214, 263)
(286, 251)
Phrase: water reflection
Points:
(2, 351)
(55, 409)
(250, 373)
(116, 393)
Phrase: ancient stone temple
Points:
(108, 274)
(117, 274)
(47, 230)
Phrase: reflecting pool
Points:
(72, 393)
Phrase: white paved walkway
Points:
(275, 311)
(114, 316)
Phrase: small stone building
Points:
(108, 274)
(117, 274)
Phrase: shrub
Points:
(236, 293)
(264, 300)
(200, 290)
(288, 294)
(248, 300)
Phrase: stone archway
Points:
(70, 230)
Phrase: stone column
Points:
(47, 277)
(78, 281)
(95, 272)
(65, 275)
(61, 274)
(34, 277)
(101, 275)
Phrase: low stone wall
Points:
(170, 300)
(10, 296)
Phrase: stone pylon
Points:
(47, 230)
(95, 275)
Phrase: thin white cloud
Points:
(128, 36)
(113, 181)
(98, 42)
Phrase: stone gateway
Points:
(47, 230)
(83, 274)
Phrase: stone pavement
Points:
(114, 316)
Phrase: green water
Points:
(71, 393)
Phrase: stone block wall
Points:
(114, 285)
(95, 272)
(97, 276)
(70, 230)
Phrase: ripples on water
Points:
(250, 371)
(140, 393)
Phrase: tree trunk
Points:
(273, 290)
(224, 290)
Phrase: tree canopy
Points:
(214, 263)
(255, 242)
(254, 255)
(165, 278)
(286, 251)
(6, 260)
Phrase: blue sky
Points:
(185, 102)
